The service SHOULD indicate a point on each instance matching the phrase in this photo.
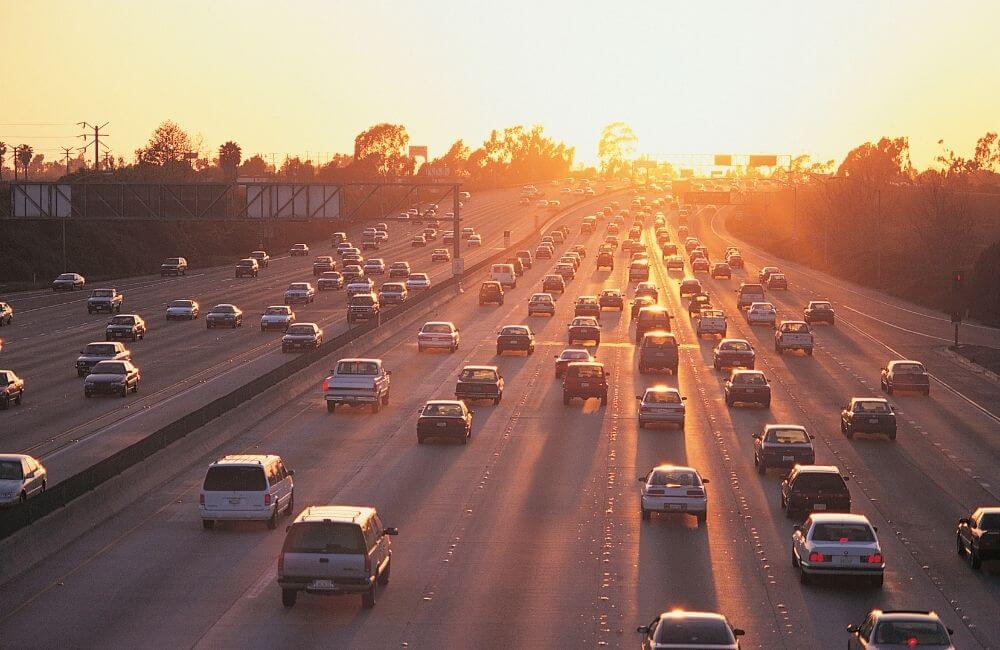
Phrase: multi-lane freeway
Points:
(531, 535)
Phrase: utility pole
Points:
(878, 238)
(97, 140)
(66, 151)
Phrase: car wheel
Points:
(767, 404)
(892, 435)
(927, 392)
(124, 392)
(531, 351)
(877, 581)
(642, 423)
(888, 388)
(849, 432)
(290, 509)
(803, 576)
(376, 405)
(499, 352)
(208, 524)
(135, 389)
(368, 598)
(729, 402)
(385, 399)
(604, 400)
(702, 518)
(974, 560)
(383, 578)
(331, 407)
(959, 547)
(288, 597)
(761, 467)
(646, 514)
(795, 562)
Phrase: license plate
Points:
(234, 500)
(322, 584)
(819, 506)
(674, 506)
(787, 458)
(872, 420)
(751, 391)
(845, 559)
(584, 384)
(442, 424)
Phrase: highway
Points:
(531, 535)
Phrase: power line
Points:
(96, 142)
(36, 124)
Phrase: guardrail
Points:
(61, 494)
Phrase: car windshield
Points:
(443, 410)
(611, 294)
(224, 309)
(392, 287)
(867, 406)
(821, 305)
(826, 482)
(437, 328)
(103, 293)
(5, 378)
(122, 320)
(837, 532)
(662, 397)
(797, 328)
(584, 322)
(362, 300)
(788, 436)
(587, 300)
(911, 633)
(658, 340)
(575, 355)
(674, 477)
(277, 311)
(514, 331)
(11, 470)
(478, 375)
(325, 537)
(298, 286)
(357, 368)
(749, 379)
(330, 275)
(182, 304)
(101, 349)
(589, 372)
(990, 521)
(418, 276)
(299, 330)
(692, 633)
(908, 368)
(110, 368)
(740, 346)
(67, 276)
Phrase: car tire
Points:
(642, 369)
(974, 560)
(80, 373)
(383, 578)
(702, 518)
(849, 432)
(272, 522)
(766, 404)
(376, 405)
(646, 514)
(878, 581)
(642, 423)
(761, 467)
(288, 597)
(888, 388)
(729, 402)
(892, 435)
(208, 524)
(499, 352)
(927, 392)
(290, 508)
(809, 352)
(385, 399)
(135, 389)
(124, 392)
(369, 597)
(795, 562)
(331, 407)
(959, 547)
(803, 576)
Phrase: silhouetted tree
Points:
(230, 155)
(616, 147)
(168, 144)
(381, 150)
(23, 154)
(3, 153)
(255, 167)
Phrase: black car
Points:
(605, 261)
(585, 379)
(747, 387)
(330, 280)
(612, 299)
(979, 535)
(112, 378)
(225, 315)
(525, 257)
(11, 389)
(699, 301)
(722, 270)
(324, 263)
(583, 329)
(516, 338)
(480, 382)
(587, 306)
(814, 488)
(819, 311)
(658, 350)
(125, 326)
(733, 353)
(399, 270)
(444, 419)
(868, 415)
(491, 292)
(782, 445)
(905, 375)
(552, 283)
(654, 317)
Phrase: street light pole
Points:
(878, 237)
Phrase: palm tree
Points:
(23, 154)
(3, 152)
(230, 156)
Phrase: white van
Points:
(504, 274)
(246, 488)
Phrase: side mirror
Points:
(964, 520)
(642, 629)
(288, 529)
(392, 530)
(852, 628)
(755, 435)
(607, 374)
(706, 481)
(797, 528)
(388, 372)
(291, 472)
(846, 478)
(639, 397)
(812, 437)
(875, 528)
(641, 479)
(950, 631)
(738, 631)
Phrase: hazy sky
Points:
(689, 77)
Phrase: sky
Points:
(304, 77)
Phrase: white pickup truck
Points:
(357, 382)
(793, 335)
(711, 322)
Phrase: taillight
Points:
(874, 558)
(267, 499)
(326, 385)
(281, 563)
(201, 499)
(817, 557)
(368, 564)
(696, 493)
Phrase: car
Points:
(579, 249)
(69, 282)
(302, 336)
(690, 286)
(330, 280)
(11, 389)
(357, 382)
(793, 335)
(553, 282)
(343, 247)
(247, 267)
(516, 338)
(638, 304)
(711, 322)
(515, 261)
(277, 317)
(374, 266)
(183, 310)
(612, 240)
(766, 272)
(302, 292)
(125, 326)
(174, 266)
(605, 260)
(444, 418)
(418, 282)
(418, 241)
(776, 281)
(338, 238)
(611, 299)
(430, 234)
(569, 355)
(94, 353)
(749, 293)
(480, 383)
(762, 313)
(782, 445)
(21, 477)
(587, 306)
(747, 387)
(978, 535)
(543, 252)
(112, 378)
(224, 314)
(819, 311)
(504, 274)
(353, 259)
(735, 260)
(440, 255)
(393, 293)
(565, 270)
(650, 318)
(363, 307)
(658, 350)
(109, 300)
(299, 250)
(900, 629)
(585, 379)
(438, 334)
(868, 415)
(814, 488)
(905, 375)
(525, 257)
(674, 489)
(6, 314)
(335, 550)
(733, 353)
(647, 289)
(583, 329)
(541, 303)
(246, 487)
(675, 264)
(352, 273)
(721, 270)
(838, 544)
(399, 270)
(475, 240)
(571, 258)
(699, 265)
(660, 404)
(262, 258)
(698, 303)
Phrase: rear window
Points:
(362, 300)
(658, 341)
(325, 537)
(826, 482)
(101, 349)
(514, 331)
(182, 303)
(357, 368)
(277, 311)
(393, 286)
(787, 436)
(990, 521)
(588, 372)
(842, 533)
(478, 374)
(752, 289)
(662, 397)
(871, 407)
(233, 478)
(443, 410)
(437, 328)
(911, 633)
(796, 328)
(103, 293)
(822, 305)
(736, 345)
(122, 320)
(10, 470)
(693, 633)
(749, 379)
(299, 330)
(908, 368)
(654, 316)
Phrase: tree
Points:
(3, 153)
(23, 154)
(616, 147)
(381, 150)
(296, 169)
(985, 285)
(230, 155)
(886, 161)
(168, 144)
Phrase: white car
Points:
(672, 488)
(418, 282)
(541, 303)
(183, 310)
(438, 334)
(682, 629)
(793, 335)
(364, 285)
(475, 240)
(711, 322)
(277, 317)
(393, 293)
(300, 292)
(21, 477)
(375, 266)
(441, 255)
(833, 543)
(762, 313)
(661, 404)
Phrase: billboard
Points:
(723, 160)
(292, 201)
(40, 200)
(763, 161)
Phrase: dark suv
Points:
(747, 387)
(814, 488)
(587, 306)
(491, 292)
(654, 317)
(782, 445)
(517, 338)
(605, 261)
(479, 382)
(979, 535)
(868, 415)
(585, 379)
(658, 351)
(362, 306)
(612, 299)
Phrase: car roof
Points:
(246, 459)
(904, 614)
(344, 514)
(900, 361)
(880, 400)
(746, 371)
(768, 427)
(359, 359)
(475, 367)
(817, 469)
(10, 457)
(662, 389)
(444, 402)
(989, 510)
(839, 517)
(686, 615)
(668, 466)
